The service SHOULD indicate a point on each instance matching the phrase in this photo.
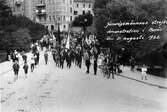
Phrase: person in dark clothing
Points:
(24, 56)
(32, 62)
(25, 67)
(37, 54)
(68, 59)
(80, 59)
(95, 66)
(132, 64)
(61, 62)
(16, 67)
(111, 68)
(87, 61)
(46, 57)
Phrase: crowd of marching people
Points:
(80, 55)
(30, 64)
(90, 55)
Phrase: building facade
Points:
(81, 7)
(52, 13)
(17, 6)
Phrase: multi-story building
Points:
(17, 6)
(81, 7)
(39, 10)
(52, 13)
(58, 12)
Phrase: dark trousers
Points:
(46, 60)
(87, 65)
(32, 67)
(25, 71)
(61, 64)
(16, 72)
(95, 69)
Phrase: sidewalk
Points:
(152, 80)
(6, 71)
(6, 66)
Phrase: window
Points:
(64, 26)
(89, 5)
(75, 12)
(46, 27)
(71, 9)
(70, 18)
(52, 27)
(77, 5)
(83, 5)
(89, 12)
(54, 17)
(64, 18)
(53, 2)
(83, 12)
(50, 18)
(59, 18)
(70, 2)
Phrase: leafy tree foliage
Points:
(126, 11)
(117, 11)
(21, 39)
(83, 20)
(17, 31)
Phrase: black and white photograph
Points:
(83, 55)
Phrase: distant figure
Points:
(32, 62)
(46, 57)
(37, 57)
(144, 72)
(25, 67)
(87, 61)
(16, 70)
(132, 64)
(15, 56)
(24, 56)
(95, 66)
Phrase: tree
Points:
(116, 11)
(126, 11)
(20, 39)
(83, 20)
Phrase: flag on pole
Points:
(68, 42)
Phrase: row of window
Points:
(84, 5)
(61, 18)
(83, 12)
(52, 27)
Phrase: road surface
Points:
(51, 89)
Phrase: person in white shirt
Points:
(144, 72)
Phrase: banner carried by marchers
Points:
(68, 42)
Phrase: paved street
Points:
(51, 89)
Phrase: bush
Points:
(21, 39)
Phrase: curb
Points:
(147, 83)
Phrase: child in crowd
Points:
(32, 62)
(46, 57)
(16, 70)
(25, 67)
